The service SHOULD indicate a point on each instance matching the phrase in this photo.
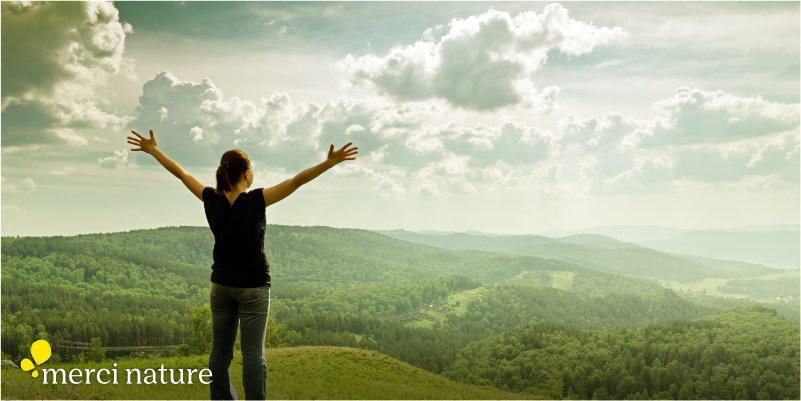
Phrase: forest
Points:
(518, 321)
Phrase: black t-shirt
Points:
(239, 259)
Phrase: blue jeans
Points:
(248, 308)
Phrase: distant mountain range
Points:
(770, 245)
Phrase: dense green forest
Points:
(438, 309)
(745, 353)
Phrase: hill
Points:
(775, 247)
(461, 241)
(330, 257)
(293, 373)
(744, 353)
(594, 251)
(142, 282)
(641, 262)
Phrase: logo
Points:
(40, 351)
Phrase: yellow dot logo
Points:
(40, 351)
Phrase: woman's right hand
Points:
(338, 156)
(145, 145)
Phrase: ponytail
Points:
(233, 164)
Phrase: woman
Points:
(240, 279)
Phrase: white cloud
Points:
(511, 143)
(694, 116)
(428, 188)
(57, 59)
(482, 62)
(582, 156)
(62, 171)
(118, 159)
(25, 185)
(196, 133)
(386, 182)
(710, 137)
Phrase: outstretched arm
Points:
(282, 190)
(149, 146)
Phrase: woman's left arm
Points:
(149, 146)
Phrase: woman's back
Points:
(238, 228)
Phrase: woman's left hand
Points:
(145, 145)
(338, 156)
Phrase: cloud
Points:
(194, 123)
(597, 134)
(62, 171)
(482, 62)
(511, 143)
(428, 188)
(746, 165)
(386, 182)
(56, 58)
(118, 159)
(25, 185)
(407, 149)
(693, 116)
(708, 137)
(732, 162)
(197, 123)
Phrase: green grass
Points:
(293, 373)
(455, 304)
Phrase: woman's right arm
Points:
(277, 192)
(149, 145)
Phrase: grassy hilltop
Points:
(293, 373)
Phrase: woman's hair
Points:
(233, 164)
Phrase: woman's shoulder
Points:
(209, 192)
(257, 195)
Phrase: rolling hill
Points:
(743, 353)
(597, 252)
(143, 282)
(419, 303)
(293, 373)
(780, 248)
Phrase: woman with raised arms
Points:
(240, 277)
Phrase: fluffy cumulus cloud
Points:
(403, 152)
(770, 162)
(194, 122)
(509, 143)
(693, 116)
(118, 159)
(197, 123)
(708, 137)
(55, 57)
(483, 62)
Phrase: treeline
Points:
(80, 314)
(320, 257)
(506, 307)
(746, 353)
(788, 310)
(778, 287)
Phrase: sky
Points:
(519, 117)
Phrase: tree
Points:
(96, 352)
(275, 334)
(198, 340)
